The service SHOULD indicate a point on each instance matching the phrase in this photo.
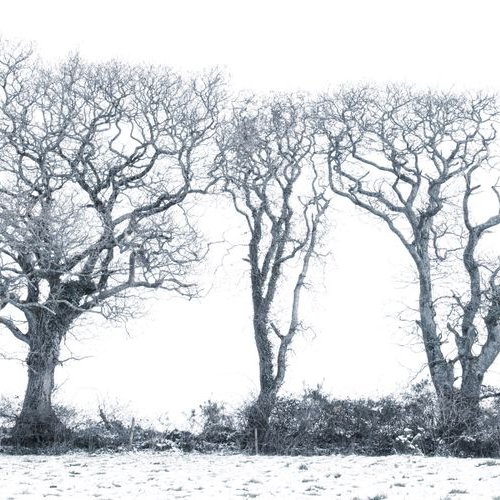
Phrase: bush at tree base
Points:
(313, 423)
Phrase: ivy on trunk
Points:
(266, 166)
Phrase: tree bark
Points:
(37, 423)
(458, 415)
(259, 418)
(260, 413)
(441, 371)
(459, 410)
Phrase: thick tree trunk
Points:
(37, 423)
(458, 415)
(470, 394)
(458, 422)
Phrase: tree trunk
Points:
(441, 372)
(259, 418)
(37, 423)
(459, 415)
(470, 393)
(260, 412)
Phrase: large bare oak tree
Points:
(421, 163)
(266, 165)
(95, 163)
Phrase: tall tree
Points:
(266, 166)
(421, 163)
(95, 163)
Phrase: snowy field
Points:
(157, 475)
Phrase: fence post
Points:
(256, 436)
(131, 436)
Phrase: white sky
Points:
(189, 352)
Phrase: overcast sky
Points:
(188, 352)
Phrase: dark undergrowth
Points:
(319, 424)
(311, 424)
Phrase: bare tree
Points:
(266, 165)
(96, 162)
(418, 161)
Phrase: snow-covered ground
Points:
(162, 475)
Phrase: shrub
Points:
(317, 423)
(217, 425)
(313, 423)
(9, 409)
